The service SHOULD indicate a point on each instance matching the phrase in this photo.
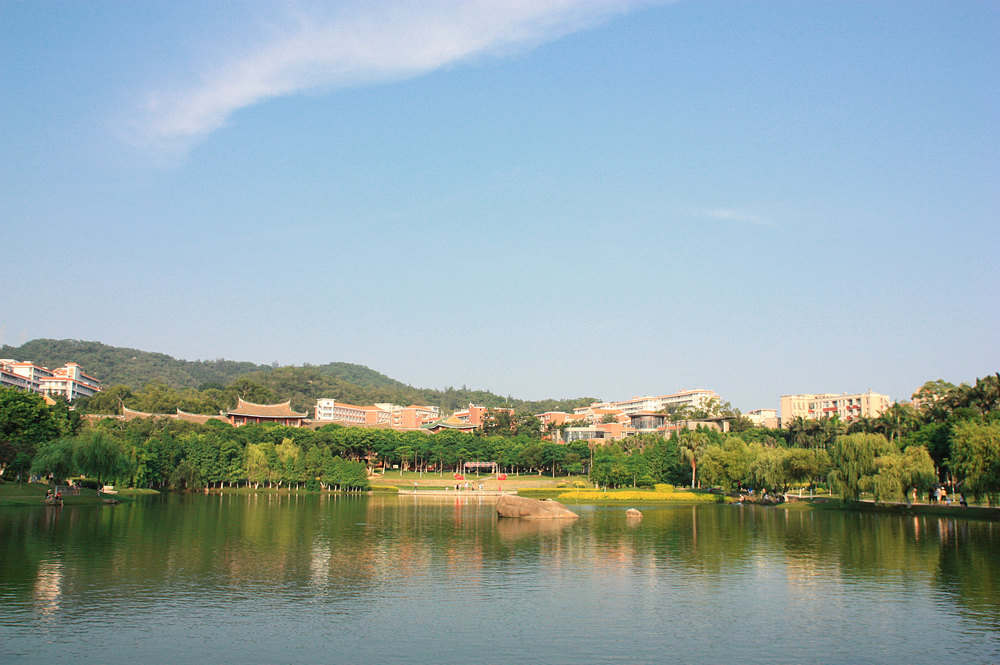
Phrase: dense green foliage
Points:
(27, 422)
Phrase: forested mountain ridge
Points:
(160, 383)
(113, 365)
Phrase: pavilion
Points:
(247, 413)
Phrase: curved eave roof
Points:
(280, 410)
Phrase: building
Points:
(763, 417)
(247, 413)
(68, 381)
(646, 422)
(351, 414)
(692, 399)
(589, 433)
(474, 414)
(413, 416)
(376, 415)
(449, 423)
(557, 418)
(848, 406)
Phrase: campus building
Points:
(692, 399)
(826, 405)
(375, 415)
(763, 417)
(474, 414)
(68, 381)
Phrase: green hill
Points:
(158, 382)
(131, 367)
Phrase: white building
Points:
(382, 414)
(68, 381)
(694, 399)
(763, 417)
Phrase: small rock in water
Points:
(633, 514)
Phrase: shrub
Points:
(88, 483)
(664, 487)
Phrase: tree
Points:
(896, 421)
(257, 469)
(110, 400)
(692, 444)
(728, 464)
(869, 462)
(975, 458)
(93, 454)
(25, 423)
(97, 455)
(853, 457)
(611, 467)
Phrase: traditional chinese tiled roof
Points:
(449, 423)
(197, 417)
(131, 414)
(281, 410)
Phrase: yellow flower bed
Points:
(640, 495)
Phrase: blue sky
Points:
(539, 199)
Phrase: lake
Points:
(269, 578)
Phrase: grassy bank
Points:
(33, 494)
(954, 510)
(627, 495)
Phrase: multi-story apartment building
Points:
(474, 414)
(413, 416)
(826, 405)
(694, 399)
(763, 417)
(68, 381)
(381, 415)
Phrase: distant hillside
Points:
(114, 365)
(355, 384)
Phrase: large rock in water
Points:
(533, 509)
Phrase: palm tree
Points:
(830, 429)
(692, 445)
(897, 420)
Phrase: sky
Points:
(541, 199)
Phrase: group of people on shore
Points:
(940, 495)
(466, 486)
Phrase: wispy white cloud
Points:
(358, 43)
(735, 216)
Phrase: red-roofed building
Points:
(247, 413)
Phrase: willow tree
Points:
(93, 454)
(975, 458)
(898, 473)
(870, 463)
(853, 458)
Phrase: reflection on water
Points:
(414, 579)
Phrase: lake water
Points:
(331, 579)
